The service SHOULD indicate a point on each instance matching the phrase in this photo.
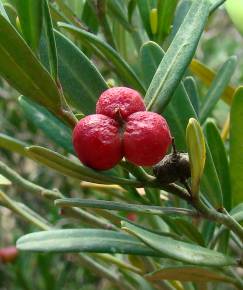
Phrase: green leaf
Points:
(80, 79)
(23, 71)
(197, 153)
(3, 12)
(192, 91)
(180, 13)
(116, 9)
(187, 273)
(123, 69)
(236, 147)
(89, 17)
(150, 56)
(220, 159)
(4, 180)
(207, 76)
(145, 7)
(12, 144)
(83, 240)
(112, 205)
(130, 9)
(30, 17)
(210, 185)
(46, 121)
(186, 228)
(215, 4)
(67, 12)
(56, 14)
(235, 11)
(177, 57)
(237, 212)
(70, 168)
(50, 39)
(177, 114)
(178, 250)
(217, 87)
(166, 9)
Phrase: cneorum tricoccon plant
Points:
(110, 143)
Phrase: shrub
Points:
(174, 226)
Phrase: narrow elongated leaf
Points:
(177, 57)
(81, 81)
(112, 205)
(89, 17)
(22, 70)
(235, 11)
(145, 7)
(30, 17)
(217, 87)
(192, 91)
(70, 168)
(187, 273)
(186, 228)
(215, 4)
(237, 213)
(178, 250)
(237, 209)
(180, 13)
(236, 145)
(4, 180)
(207, 76)
(150, 57)
(177, 114)
(197, 153)
(117, 10)
(221, 162)
(166, 9)
(56, 14)
(210, 185)
(2, 11)
(122, 67)
(50, 39)
(51, 126)
(84, 240)
(13, 144)
(68, 12)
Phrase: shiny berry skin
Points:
(146, 138)
(97, 142)
(8, 254)
(125, 100)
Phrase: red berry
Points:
(97, 142)
(126, 100)
(131, 216)
(8, 254)
(146, 138)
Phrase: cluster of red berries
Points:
(121, 128)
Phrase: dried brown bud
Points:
(173, 167)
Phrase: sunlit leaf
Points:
(236, 147)
(197, 152)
